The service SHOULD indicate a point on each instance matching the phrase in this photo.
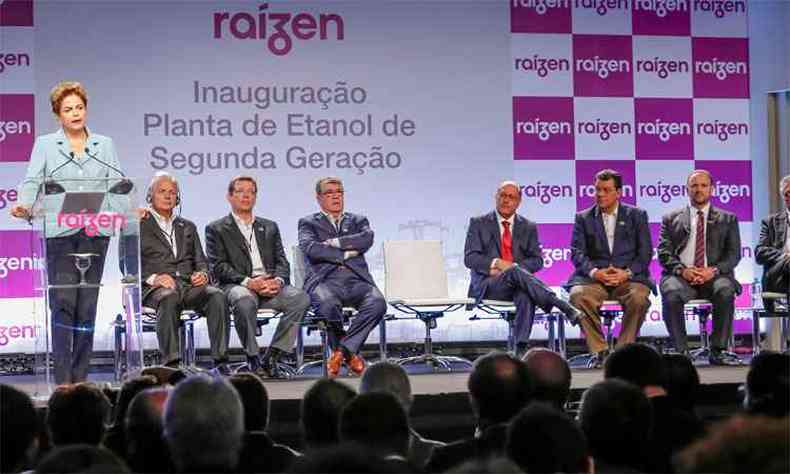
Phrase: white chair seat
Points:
(498, 303)
(699, 302)
(772, 295)
(611, 305)
(431, 301)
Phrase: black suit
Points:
(156, 258)
(230, 263)
(770, 252)
(722, 251)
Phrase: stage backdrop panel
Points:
(420, 107)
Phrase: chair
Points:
(315, 322)
(263, 318)
(609, 310)
(416, 284)
(186, 336)
(780, 310)
(506, 311)
(702, 309)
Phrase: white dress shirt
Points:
(610, 226)
(687, 255)
(248, 232)
(168, 232)
(787, 234)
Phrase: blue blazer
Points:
(483, 244)
(632, 249)
(321, 259)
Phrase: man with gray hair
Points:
(204, 425)
(502, 253)
(391, 378)
(175, 275)
(773, 253)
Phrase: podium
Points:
(86, 241)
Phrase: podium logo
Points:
(540, 16)
(722, 130)
(7, 196)
(93, 223)
(278, 29)
(20, 265)
(543, 128)
(542, 66)
(721, 67)
(662, 68)
(720, 8)
(16, 13)
(664, 129)
(602, 66)
(17, 127)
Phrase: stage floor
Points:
(422, 384)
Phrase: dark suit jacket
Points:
(632, 249)
(722, 242)
(484, 243)
(770, 252)
(321, 259)
(490, 443)
(228, 255)
(260, 454)
(156, 255)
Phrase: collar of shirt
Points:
(163, 222)
(511, 219)
(240, 222)
(693, 212)
(332, 219)
(610, 214)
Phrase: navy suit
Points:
(632, 250)
(334, 281)
(484, 244)
(770, 252)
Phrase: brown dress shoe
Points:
(356, 364)
(334, 363)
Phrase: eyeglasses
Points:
(244, 192)
(333, 193)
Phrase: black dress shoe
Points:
(221, 368)
(270, 365)
(720, 358)
(571, 313)
(599, 359)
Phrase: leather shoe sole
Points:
(356, 364)
(334, 363)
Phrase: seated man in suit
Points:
(773, 253)
(700, 246)
(611, 250)
(334, 243)
(175, 275)
(502, 252)
(246, 257)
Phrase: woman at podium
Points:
(70, 171)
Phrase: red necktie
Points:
(699, 243)
(507, 242)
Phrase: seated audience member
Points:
(18, 429)
(682, 382)
(345, 458)
(377, 422)
(741, 444)
(391, 378)
(81, 458)
(114, 438)
(499, 387)
(259, 453)
(320, 412)
(146, 450)
(544, 440)
(76, 414)
(204, 425)
(615, 417)
(768, 385)
(550, 376)
(672, 429)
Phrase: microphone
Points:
(124, 186)
(50, 185)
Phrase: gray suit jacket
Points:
(722, 242)
(770, 252)
(156, 255)
(229, 258)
